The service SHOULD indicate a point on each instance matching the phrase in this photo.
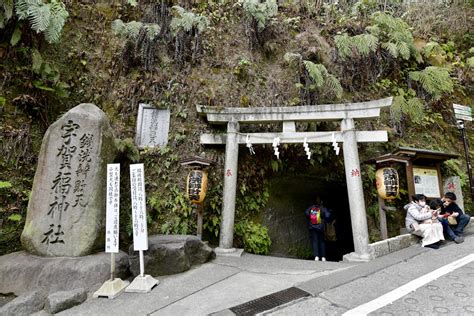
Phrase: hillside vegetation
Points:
(247, 53)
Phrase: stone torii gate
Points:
(349, 136)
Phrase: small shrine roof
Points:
(195, 161)
(405, 154)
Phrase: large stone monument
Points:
(66, 212)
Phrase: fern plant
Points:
(262, 12)
(259, 14)
(406, 104)
(394, 34)
(313, 79)
(321, 78)
(44, 17)
(362, 45)
(131, 30)
(186, 21)
(140, 41)
(386, 32)
(432, 48)
(434, 80)
(187, 29)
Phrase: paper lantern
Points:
(196, 186)
(386, 181)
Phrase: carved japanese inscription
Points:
(66, 212)
(152, 126)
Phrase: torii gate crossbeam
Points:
(346, 113)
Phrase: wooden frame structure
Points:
(412, 158)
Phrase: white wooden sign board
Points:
(152, 126)
(426, 182)
(112, 209)
(140, 234)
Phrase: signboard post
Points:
(464, 113)
(113, 287)
(142, 283)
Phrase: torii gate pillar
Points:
(355, 194)
(230, 188)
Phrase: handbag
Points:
(452, 220)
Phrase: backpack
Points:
(315, 216)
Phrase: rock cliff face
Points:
(284, 215)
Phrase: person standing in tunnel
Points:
(316, 215)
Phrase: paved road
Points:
(212, 287)
(335, 287)
(439, 289)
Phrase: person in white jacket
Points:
(423, 222)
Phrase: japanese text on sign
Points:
(390, 179)
(194, 185)
(113, 209)
(137, 179)
(426, 181)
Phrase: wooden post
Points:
(382, 219)
(440, 181)
(199, 211)
(410, 180)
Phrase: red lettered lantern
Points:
(196, 186)
(386, 181)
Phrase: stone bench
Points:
(386, 246)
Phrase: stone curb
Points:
(387, 246)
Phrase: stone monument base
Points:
(21, 272)
(111, 288)
(228, 252)
(357, 257)
(142, 284)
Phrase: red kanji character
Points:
(355, 173)
(451, 187)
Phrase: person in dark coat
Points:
(437, 205)
(316, 215)
(450, 207)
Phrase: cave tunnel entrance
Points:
(290, 195)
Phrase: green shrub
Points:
(254, 237)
